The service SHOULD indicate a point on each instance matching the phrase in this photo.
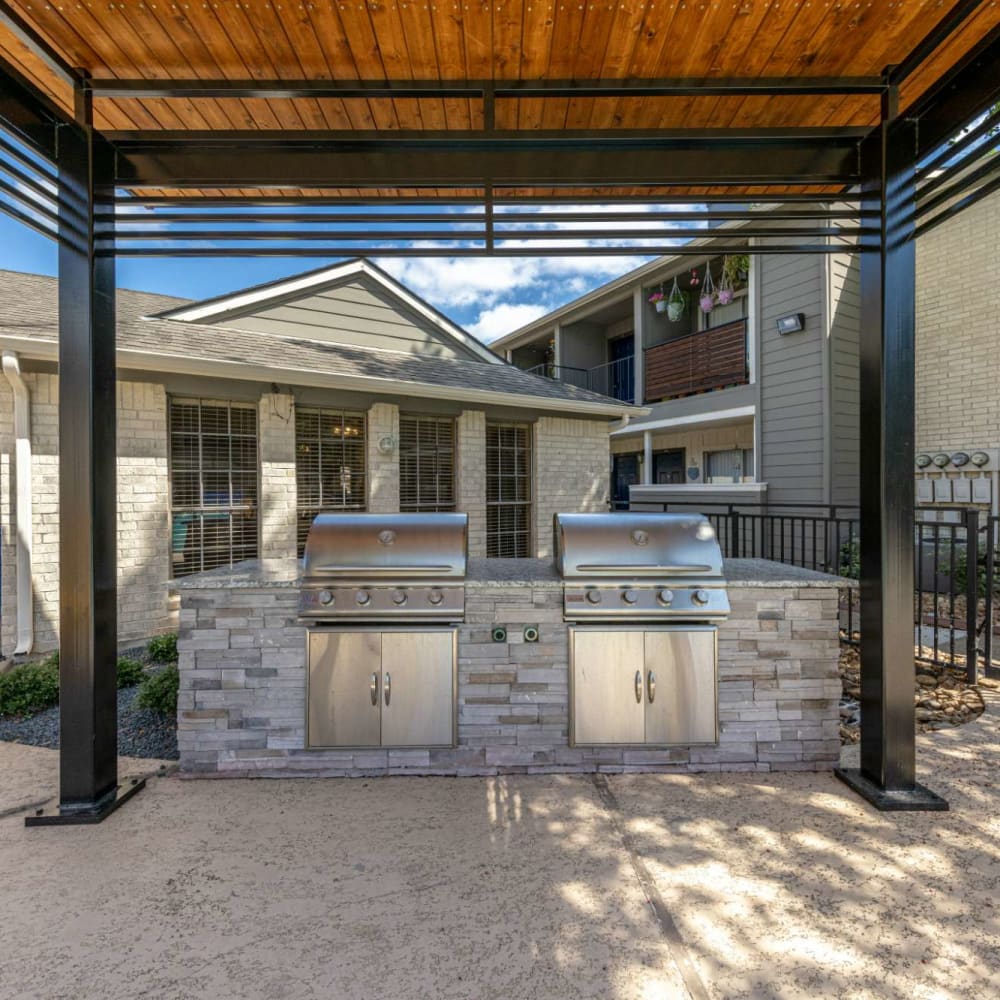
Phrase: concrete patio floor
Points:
(515, 887)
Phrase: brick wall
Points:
(278, 494)
(143, 520)
(383, 469)
(957, 372)
(572, 472)
(471, 442)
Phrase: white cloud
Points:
(504, 318)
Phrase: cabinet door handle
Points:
(651, 686)
(638, 686)
(374, 689)
(387, 686)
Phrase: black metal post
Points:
(971, 519)
(887, 776)
(88, 619)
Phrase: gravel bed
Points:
(141, 732)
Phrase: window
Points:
(213, 484)
(329, 464)
(734, 466)
(426, 463)
(508, 491)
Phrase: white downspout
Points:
(22, 503)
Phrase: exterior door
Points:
(622, 381)
(608, 684)
(418, 694)
(680, 686)
(668, 466)
(344, 689)
(624, 473)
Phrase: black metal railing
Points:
(614, 378)
(956, 583)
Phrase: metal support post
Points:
(887, 776)
(88, 618)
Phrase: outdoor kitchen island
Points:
(242, 707)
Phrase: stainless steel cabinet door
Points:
(608, 685)
(418, 695)
(681, 695)
(344, 689)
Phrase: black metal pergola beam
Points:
(207, 160)
(26, 113)
(482, 89)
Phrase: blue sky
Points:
(488, 296)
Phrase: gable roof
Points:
(29, 325)
(250, 301)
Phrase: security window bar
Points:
(213, 484)
(426, 464)
(330, 473)
(508, 491)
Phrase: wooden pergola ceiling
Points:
(510, 40)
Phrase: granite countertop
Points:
(273, 573)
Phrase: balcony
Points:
(615, 378)
(698, 362)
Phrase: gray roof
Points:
(28, 319)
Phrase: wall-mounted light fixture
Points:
(791, 323)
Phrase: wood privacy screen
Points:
(698, 362)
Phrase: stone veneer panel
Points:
(242, 701)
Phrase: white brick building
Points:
(242, 417)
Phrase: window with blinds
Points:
(426, 463)
(213, 484)
(733, 466)
(508, 491)
(329, 464)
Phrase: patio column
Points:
(887, 776)
(88, 619)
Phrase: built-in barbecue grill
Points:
(643, 593)
(385, 567)
(382, 594)
(647, 567)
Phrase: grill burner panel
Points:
(367, 567)
(646, 567)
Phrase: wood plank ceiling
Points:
(475, 40)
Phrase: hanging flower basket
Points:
(707, 300)
(724, 293)
(676, 303)
(659, 300)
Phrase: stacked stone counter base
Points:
(242, 702)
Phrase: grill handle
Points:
(341, 570)
(651, 686)
(387, 687)
(634, 568)
(374, 689)
(638, 687)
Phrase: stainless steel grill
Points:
(647, 567)
(385, 567)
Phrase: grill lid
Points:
(661, 546)
(397, 546)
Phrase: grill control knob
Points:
(362, 597)
(399, 597)
(700, 597)
(435, 597)
(629, 596)
(325, 597)
(665, 596)
(594, 596)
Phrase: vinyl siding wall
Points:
(845, 330)
(792, 379)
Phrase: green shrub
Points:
(163, 648)
(159, 690)
(129, 672)
(30, 687)
(850, 559)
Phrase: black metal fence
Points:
(956, 554)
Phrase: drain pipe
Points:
(22, 505)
